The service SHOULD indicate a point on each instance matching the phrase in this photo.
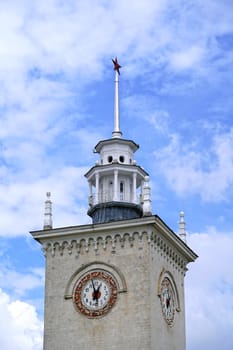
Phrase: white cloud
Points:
(48, 45)
(20, 283)
(21, 328)
(73, 38)
(187, 58)
(69, 37)
(196, 169)
(24, 201)
(209, 292)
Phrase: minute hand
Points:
(93, 285)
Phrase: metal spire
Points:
(116, 132)
(48, 222)
(182, 230)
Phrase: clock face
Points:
(167, 301)
(95, 293)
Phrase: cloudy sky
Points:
(56, 103)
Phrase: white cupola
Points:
(118, 187)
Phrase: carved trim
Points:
(116, 241)
(167, 251)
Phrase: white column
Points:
(97, 188)
(147, 210)
(48, 223)
(141, 194)
(134, 187)
(182, 231)
(116, 192)
(90, 193)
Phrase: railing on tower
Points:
(104, 197)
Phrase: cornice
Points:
(118, 166)
(134, 146)
(114, 236)
(174, 239)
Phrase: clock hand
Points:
(93, 285)
(99, 286)
(96, 294)
(168, 302)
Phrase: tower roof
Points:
(134, 146)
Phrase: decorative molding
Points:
(169, 253)
(115, 241)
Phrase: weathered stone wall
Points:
(139, 256)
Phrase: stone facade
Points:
(137, 253)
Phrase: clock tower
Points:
(117, 283)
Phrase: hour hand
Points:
(99, 286)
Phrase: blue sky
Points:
(56, 103)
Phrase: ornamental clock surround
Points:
(95, 293)
(167, 301)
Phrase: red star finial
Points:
(116, 65)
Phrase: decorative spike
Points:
(147, 211)
(48, 222)
(182, 230)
